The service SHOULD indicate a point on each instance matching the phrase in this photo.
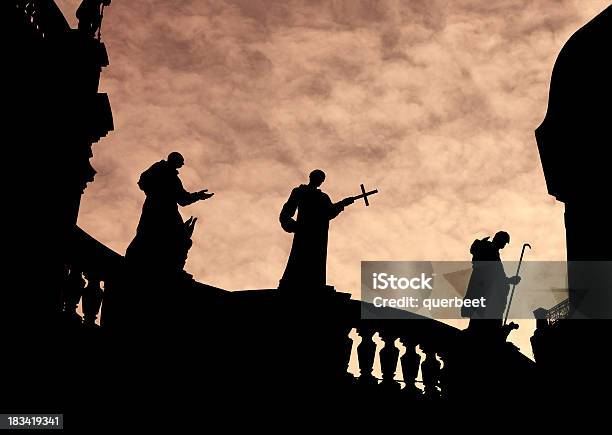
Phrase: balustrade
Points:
(409, 362)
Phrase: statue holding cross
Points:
(307, 264)
(364, 195)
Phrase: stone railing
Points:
(404, 355)
(398, 354)
(324, 339)
(559, 311)
(551, 316)
(91, 266)
(387, 356)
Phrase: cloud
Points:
(433, 102)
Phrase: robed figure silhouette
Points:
(488, 278)
(162, 238)
(307, 264)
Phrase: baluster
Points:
(92, 300)
(430, 369)
(346, 349)
(72, 292)
(411, 362)
(444, 373)
(366, 352)
(388, 360)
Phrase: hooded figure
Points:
(162, 238)
(488, 278)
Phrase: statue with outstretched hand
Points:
(162, 237)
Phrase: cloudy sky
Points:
(433, 102)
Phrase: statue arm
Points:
(183, 197)
(189, 198)
(337, 208)
(507, 279)
(286, 215)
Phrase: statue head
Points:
(317, 177)
(175, 159)
(501, 239)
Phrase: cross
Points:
(365, 195)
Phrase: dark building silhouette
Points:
(574, 144)
(55, 115)
(90, 14)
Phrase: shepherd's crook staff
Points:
(514, 285)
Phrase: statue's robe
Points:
(161, 234)
(488, 280)
(307, 264)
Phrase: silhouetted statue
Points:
(307, 264)
(488, 278)
(162, 238)
(89, 14)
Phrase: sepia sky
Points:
(433, 102)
